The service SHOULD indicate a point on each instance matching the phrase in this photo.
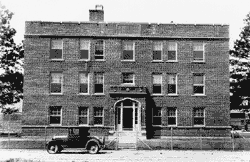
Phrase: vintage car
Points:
(76, 138)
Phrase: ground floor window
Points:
(199, 116)
(172, 116)
(157, 116)
(55, 115)
(98, 115)
(83, 113)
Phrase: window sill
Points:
(99, 60)
(85, 60)
(201, 62)
(56, 94)
(128, 84)
(157, 94)
(98, 94)
(83, 94)
(201, 95)
(98, 125)
(174, 95)
(57, 60)
(197, 126)
(127, 60)
(157, 125)
(172, 126)
(172, 61)
(55, 124)
(157, 61)
(83, 125)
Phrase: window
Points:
(157, 116)
(56, 83)
(55, 115)
(99, 50)
(84, 49)
(98, 116)
(84, 83)
(172, 51)
(128, 78)
(157, 51)
(128, 51)
(172, 116)
(199, 84)
(157, 84)
(198, 52)
(199, 116)
(56, 49)
(172, 84)
(83, 114)
(98, 83)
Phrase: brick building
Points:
(126, 76)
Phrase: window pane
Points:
(198, 79)
(83, 120)
(127, 77)
(56, 44)
(128, 46)
(171, 46)
(56, 78)
(55, 88)
(98, 120)
(83, 88)
(56, 54)
(156, 120)
(198, 55)
(171, 55)
(128, 55)
(98, 88)
(99, 45)
(157, 55)
(83, 111)
(84, 54)
(157, 111)
(157, 79)
(84, 78)
(171, 121)
(198, 121)
(98, 111)
(157, 46)
(84, 44)
(171, 79)
(99, 78)
(199, 89)
(157, 89)
(172, 112)
(55, 119)
(198, 47)
(171, 88)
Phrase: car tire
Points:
(53, 149)
(93, 148)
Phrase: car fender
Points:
(93, 140)
(54, 142)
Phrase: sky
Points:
(231, 12)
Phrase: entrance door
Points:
(127, 119)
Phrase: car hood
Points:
(60, 137)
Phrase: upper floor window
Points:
(198, 84)
(83, 113)
(56, 82)
(55, 115)
(128, 78)
(172, 84)
(84, 49)
(157, 51)
(157, 115)
(56, 51)
(199, 116)
(99, 50)
(199, 52)
(172, 51)
(128, 51)
(99, 83)
(84, 83)
(172, 116)
(157, 84)
(98, 116)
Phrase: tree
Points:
(240, 68)
(11, 61)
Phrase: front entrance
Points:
(127, 116)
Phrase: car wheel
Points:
(53, 149)
(93, 148)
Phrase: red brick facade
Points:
(38, 66)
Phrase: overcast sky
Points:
(230, 12)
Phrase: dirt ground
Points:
(125, 155)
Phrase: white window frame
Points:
(83, 115)
(57, 59)
(203, 49)
(132, 84)
(88, 75)
(133, 51)
(156, 116)
(155, 94)
(176, 83)
(204, 112)
(99, 116)
(52, 93)
(56, 115)
(176, 54)
(204, 85)
(102, 83)
(161, 51)
(88, 41)
(103, 51)
(173, 116)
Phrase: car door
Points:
(73, 138)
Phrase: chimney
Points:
(97, 14)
